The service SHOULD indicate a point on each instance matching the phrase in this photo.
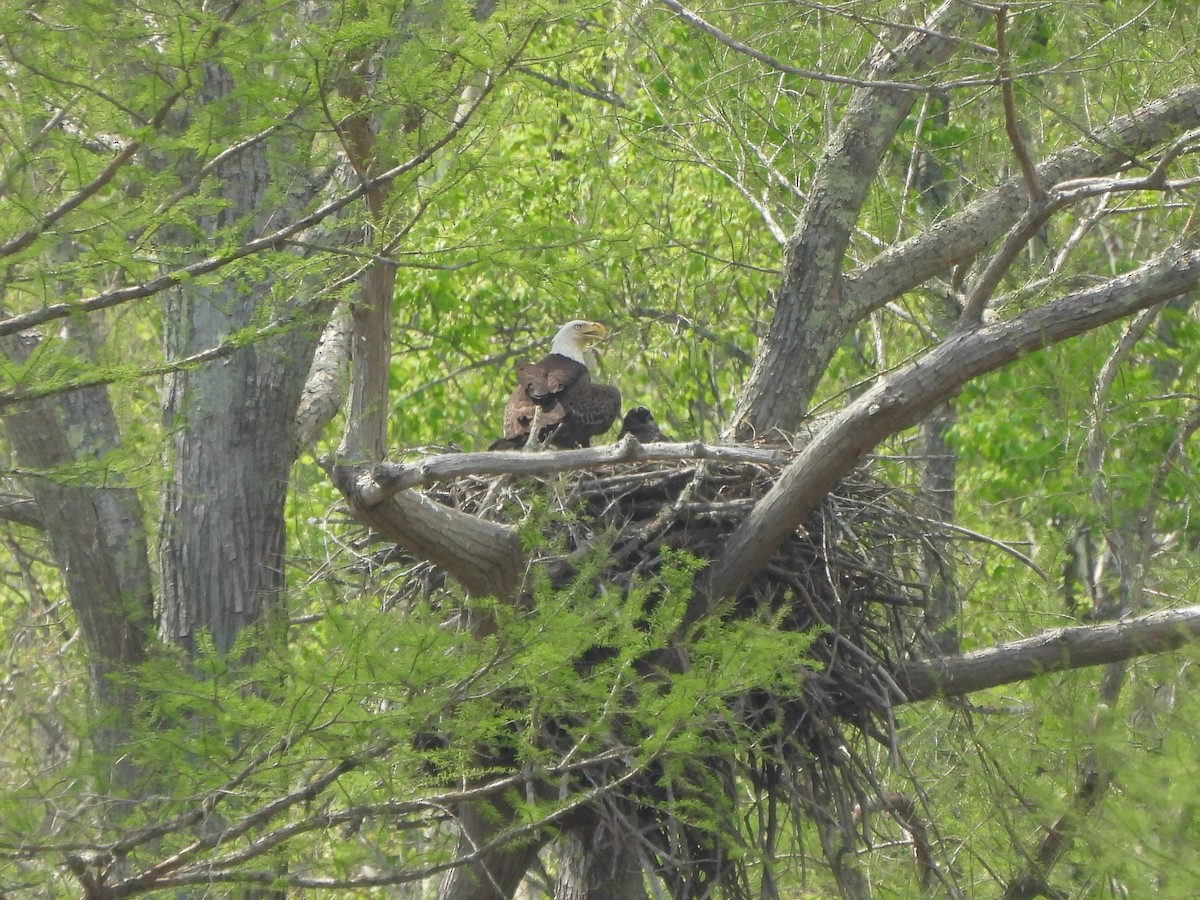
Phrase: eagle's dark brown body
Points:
(573, 409)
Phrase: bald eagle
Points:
(639, 422)
(557, 397)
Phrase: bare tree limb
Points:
(375, 483)
(1074, 647)
(699, 23)
(487, 558)
(903, 398)
(327, 382)
(964, 235)
(808, 323)
(22, 510)
(1012, 125)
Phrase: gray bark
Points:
(495, 872)
(327, 383)
(902, 399)
(231, 425)
(484, 556)
(938, 465)
(808, 325)
(590, 867)
(1074, 647)
(94, 521)
(815, 311)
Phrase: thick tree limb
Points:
(807, 313)
(375, 483)
(1074, 647)
(963, 236)
(904, 398)
(327, 383)
(957, 239)
(22, 510)
(485, 557)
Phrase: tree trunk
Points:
(592, 868)
(809, 323)
(96, 532)
(231, 424)
(494, 872)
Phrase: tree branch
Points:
(964, 235)
(1012, 125)
(374, 483)
(903, 398)
(485, 557)
(22, 510)
(697, 22)
(1074, 647)
(117, 296)
(809, 323)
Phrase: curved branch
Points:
(902, 399)
(485, 557)
(701, 24)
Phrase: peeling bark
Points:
(328, 380)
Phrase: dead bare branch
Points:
(375, 483)
(696, 21)
(966, 234)
(1012, 125)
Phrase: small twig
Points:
(991, 541)
(1012, 126)
(602, 96)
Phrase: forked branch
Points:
(903, 398)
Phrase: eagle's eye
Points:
(580, 327)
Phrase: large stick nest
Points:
(855, 573)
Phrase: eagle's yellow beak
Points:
(591, 331)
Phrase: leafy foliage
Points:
(630, 167)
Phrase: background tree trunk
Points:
(96, 534)
(231, 423)
(592, 867)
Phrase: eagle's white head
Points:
(575, 337)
